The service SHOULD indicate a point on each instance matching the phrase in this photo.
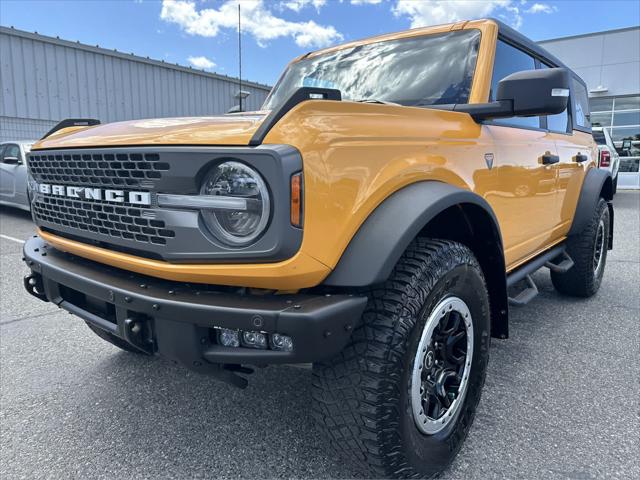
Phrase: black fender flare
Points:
(384, 236)
(387, 232)
(597, 183)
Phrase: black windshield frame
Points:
(387, 71)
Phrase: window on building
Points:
(601, 119)
(626, 126)
(628, 103)
(510, 60)
(601, 111)
(601, 104)
(626, 118)
(621, 117)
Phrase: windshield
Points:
(417, 71)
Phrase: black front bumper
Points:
(178, 320)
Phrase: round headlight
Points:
(237, 226)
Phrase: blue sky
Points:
(203, 32)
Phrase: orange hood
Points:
(236, 129)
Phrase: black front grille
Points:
(98, 169)
(118, 221)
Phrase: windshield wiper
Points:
(375, 100)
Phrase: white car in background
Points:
(13, 174)
(608, 157)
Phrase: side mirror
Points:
(11, 160)
(526, 93)
(626, 144)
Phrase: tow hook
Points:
(137, 333)
(34, 285)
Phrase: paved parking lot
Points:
(562, 398)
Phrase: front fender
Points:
(385, 235)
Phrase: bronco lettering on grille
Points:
(89, 193)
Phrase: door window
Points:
(510, 60)
(559, 122)
(581, 105)
(11, 151)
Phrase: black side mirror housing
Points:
(526, 93)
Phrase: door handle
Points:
(549, 159)
(580, 158)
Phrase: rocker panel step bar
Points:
(555, 259)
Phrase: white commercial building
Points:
(610, 64)
(44, 80)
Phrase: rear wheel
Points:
(112, 339)
(588, 250)
(399, 400)
(615, 185)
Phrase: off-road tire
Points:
(583, 279)
(113, 340)
(361, 397)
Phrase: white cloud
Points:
(201, 62)
(297, 5)
(257, 20)
(433, 12)
(542, 8)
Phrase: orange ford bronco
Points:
(376, 218)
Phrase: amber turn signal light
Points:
(296, 200)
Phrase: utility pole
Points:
(239, 59)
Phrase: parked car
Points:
(13, 174)
(608, 157)
(361, 221)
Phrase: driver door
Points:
(526, 196)
(8, 171)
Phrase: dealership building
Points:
(610, 64)
(44, 80)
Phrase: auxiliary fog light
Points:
(254, 340)
(280, 342)
(228, 338)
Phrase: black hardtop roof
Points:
(516, 37)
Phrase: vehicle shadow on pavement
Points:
(208, 428)
(14, 213)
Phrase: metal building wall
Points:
(610, 59)
(44, 80)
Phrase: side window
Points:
(581, 105)
(11, 150)
(560, 122)
(510, 60)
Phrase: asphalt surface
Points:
(562, 398)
